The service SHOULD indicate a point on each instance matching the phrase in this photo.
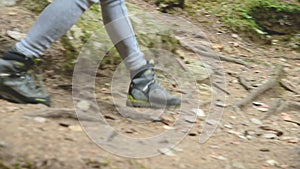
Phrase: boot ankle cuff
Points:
(140, 71)
(13, 54)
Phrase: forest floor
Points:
(260, 136)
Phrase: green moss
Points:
(35, 5)
(238, 14)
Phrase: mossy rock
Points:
(35, 5)
(167, 5)
(277, 18)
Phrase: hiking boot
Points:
(145, 91)
(16, 84)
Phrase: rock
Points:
(166, 152)
(2, 144)
(228, 126)
(168, 127)
(238, 165)
(35, 5)
(199, 112)
(83, 105)
(218, 157)
(256, 121)
(212, 122)
(270, 136)
(177, 149)
(7, 3)
(272, 162)
(190, 119)
(40, 119)
(75, 128)
(16, 35)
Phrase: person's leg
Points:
(57, 18)
(144, 91)
(119, 28)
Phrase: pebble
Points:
(75, 128)
(15, 35)
(270, 136)
(166, 152)
(219, 157)
(83, 105)
(228, 126)
(272, 162)
(256, 121)
(177, 149)
(238, 165)
(2, 144)
(40, 119)
(212, 122)
(199, 112)
(235, 36)
(168, 127)
(190, 119)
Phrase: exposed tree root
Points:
(244, 83)
(205, 51)
(272, 82)
(288, 86)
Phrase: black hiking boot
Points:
(144, 91)
(16, 84)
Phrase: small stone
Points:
(219, 157)
(199, 112)
(15, 35)
(2, 144)
(270, 136)
(249, 137)
(177, 149)
(272, 162)
(238, 165)
(75, 128)
(168, 127)
(256, 121)
(83, 105)
(235, 36)
(190, 119)
(40, 119)
(221, 104)
(228, 126)
(212, 122)
(166, 152)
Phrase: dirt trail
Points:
(32, 139)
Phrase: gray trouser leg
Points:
(61, 15)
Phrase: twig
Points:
(181, 64)
(288, 86)
(209, 53)
(220, 88)
(244, 83)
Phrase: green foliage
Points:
(238, 14)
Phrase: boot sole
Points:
(144, 104)
(12, 96)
